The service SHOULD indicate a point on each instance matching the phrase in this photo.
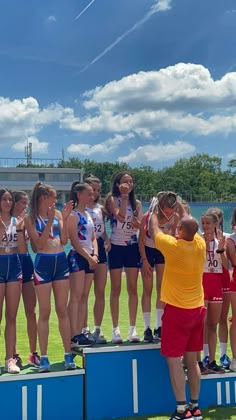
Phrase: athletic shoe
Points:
(233, 365)
(18, 360)
(203, 369)
(225, 361)
(89, 336)
(196, 413)
(116, 337)
(44, 365)
(157, 334)
(34, 359)
(11, 366)
(148, 337)
(186, 415)
(133, 336)
(69, 362)
(80, 340)
(212, 367)
(206, 361)
(98, 338)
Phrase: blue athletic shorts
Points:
(50, 267)
(102, 256)
(10, 268)
(78, 263)
(124, 256)
(27, 267)
(154, 256)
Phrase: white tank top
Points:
(213, 263)
(98, 221)
(9, 239)
(122, 232)
(85, 229)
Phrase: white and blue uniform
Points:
(85, 232)
(99, 228)
(10, 266)
(124, 241)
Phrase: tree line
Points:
(198, 178)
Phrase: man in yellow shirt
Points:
(184, 313)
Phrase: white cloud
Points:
(158, 153)
(161, 6)
(183, 98)
(37, 145)
(105, 147)
(51, 19)
(21, 118)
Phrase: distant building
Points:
(25, 178)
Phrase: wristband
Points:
(220, 251)
(19, 230)
(95, 255)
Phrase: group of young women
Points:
(70, 277)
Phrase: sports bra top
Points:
(40, 224)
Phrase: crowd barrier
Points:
(115, 381)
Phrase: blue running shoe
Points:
(69, 362)
(80, 340)
(206, 361)
(225, 361)
(44, 365)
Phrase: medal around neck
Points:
(7, 249)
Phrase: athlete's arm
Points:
(63, 221)
(153, 226)
(119, 212)
(39, 241)
(141, 237)
(231, 252)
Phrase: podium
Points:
(42, 396)
(126, 380)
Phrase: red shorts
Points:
(226, 281)
(212, 286)
(182, 330)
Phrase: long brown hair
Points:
(38, 191)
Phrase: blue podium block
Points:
(126, 380)
(218, 390)
(42, 396)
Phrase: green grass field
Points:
(55, 350)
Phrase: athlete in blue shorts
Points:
(125, 214)
(12, 242)
(28, 292)
(83, 259)
(47, 229)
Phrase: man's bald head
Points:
(189, 227)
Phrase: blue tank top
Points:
(40, 224)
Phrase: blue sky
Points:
(141, 81)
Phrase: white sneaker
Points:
(116, 337)
(11, 367)
(133, 336)
(233, 365)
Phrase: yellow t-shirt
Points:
(182, 278)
